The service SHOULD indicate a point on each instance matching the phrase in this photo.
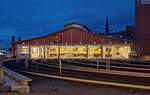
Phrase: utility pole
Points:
(97, 62)
(108, 63)
(60, 64)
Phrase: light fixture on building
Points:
(110, 42)
(66, 43)
(125, 42)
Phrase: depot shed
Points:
(74, 41)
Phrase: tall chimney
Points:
(19, 39)
(13, 39)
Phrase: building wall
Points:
(143, 29)
(71, 35)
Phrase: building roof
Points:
(76, 25)
(69, 26)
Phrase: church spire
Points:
(107, 26)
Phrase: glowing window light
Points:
(64, 52)
(116, 52)
(51, 52)
(80, 51)
(37, 52)
(94, 51)
(24, 50)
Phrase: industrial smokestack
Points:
(19, 39)
(13, 39)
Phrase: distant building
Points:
(128, 34)
(142, 33)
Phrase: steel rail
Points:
(118, 67)
(95, 70)
(133, 86)
(41, 70)
(114, 63)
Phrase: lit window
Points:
(24, 50)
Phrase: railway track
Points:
(113, 62)
(92, 66)
(93, 70)
(49, 69)
(101, 65)
(52, 69)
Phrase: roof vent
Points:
(76, 25)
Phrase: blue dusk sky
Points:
(33, 18)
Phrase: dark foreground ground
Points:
(45, 86)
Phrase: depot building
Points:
(75, 41)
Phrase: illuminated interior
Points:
(77, 51)
(94, 51)
(37, 52)
(51, 52)
(65, 51)
(124, 51)
(116, 51)
(23, 50)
